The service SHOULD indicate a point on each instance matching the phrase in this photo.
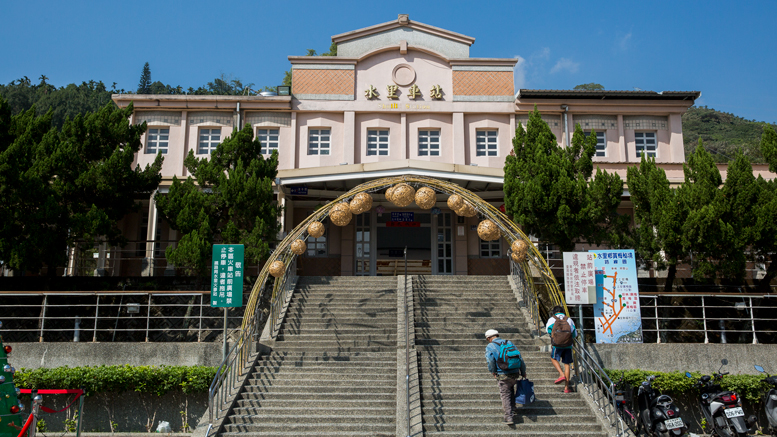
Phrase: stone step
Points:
(332, 380)
(336, 331)
(304, 402)
(557, 404)
(512, 431)
(520, 417)
(306, 397)
(563, 427)
(475, 395)
(336, 350)
(328, 344)
(479, 336)
(315, 415)
(336, 336)
(325, 357)
(303, 427)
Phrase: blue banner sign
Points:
(618, 317)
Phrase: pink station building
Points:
(400, 98)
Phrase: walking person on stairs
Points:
(505, 364)
(562, 334)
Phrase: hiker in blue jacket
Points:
(561, 354)
(505, 381)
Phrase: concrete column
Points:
(148, 261)
(172, 236)
(459, 154)
(403, 152)
(100, 269)
(676, 138)
(185, 146)
(622, 141)
(349, 137)
(294, 142)
(512, 126)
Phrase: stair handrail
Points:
(600, 388)
(407, 347)
(228, 375)
(522, 282)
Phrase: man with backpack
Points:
(505, 364)
(562, 334)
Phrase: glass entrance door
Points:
(444, 242)
(363, 247)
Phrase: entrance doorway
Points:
(381, 239)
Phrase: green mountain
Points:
(722, 134)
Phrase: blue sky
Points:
(726, 50)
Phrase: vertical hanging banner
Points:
(616, 311)
(226, 288)
(579, 278)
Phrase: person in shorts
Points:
(561, 355)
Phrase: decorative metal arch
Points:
(534, 265)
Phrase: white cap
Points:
(491, 333)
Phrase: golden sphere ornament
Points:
(488, 231)
(390, 192)
(277, 268)
(403, 195)
(466, 210)
(520, 249)
(298, 247)
(340, 214)
(316, 229)
(455, 202)
(425, 198)
(360, 203)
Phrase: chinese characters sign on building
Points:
(579, 278)
(226, 289)
(617, 312)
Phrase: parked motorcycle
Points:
(722, 409)
(770, 400)
(657, 412)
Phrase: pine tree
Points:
(238, 206)
(10, 407)
(144, 87)
(550, 193)
(765, 212)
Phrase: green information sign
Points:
(226, 290)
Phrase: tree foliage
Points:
(144, 87)
(589, 86)
(228, 199)
(62, 188)
(550, 193)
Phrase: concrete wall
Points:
(686, 357)
(36, 355)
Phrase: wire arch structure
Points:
(534, 265)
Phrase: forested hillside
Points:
(722, 133)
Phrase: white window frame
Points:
(601, 142)
(208, 146)
(493, 249)
(429, 142)
(269, 138)
(487, 142)
(154, 140)
(641, 145)
(378, 142)
(316, 145)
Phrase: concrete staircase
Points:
(458, 395)
(333, 367)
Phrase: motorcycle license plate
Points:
(620, 398)
(734, 412)
(674, 423)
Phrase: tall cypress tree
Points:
(765, 212)
(144, 87)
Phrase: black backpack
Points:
(561, 335)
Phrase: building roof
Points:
(608, 94)
(402, 21)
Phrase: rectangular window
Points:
(209, 139)
(157, 141)
(377, 142)
(646, 143)
(317, 246)
(601, 142)
(486, 143)
(318, 141)
(269, 140)
(428, 143)
(490, 249)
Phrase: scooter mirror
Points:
(724, 361)
(688, 374)
(760, 369)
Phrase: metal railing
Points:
(599, 387)
(407, 345)
(529, 297)
(115, 316)
(231, 372)
(694, 317)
